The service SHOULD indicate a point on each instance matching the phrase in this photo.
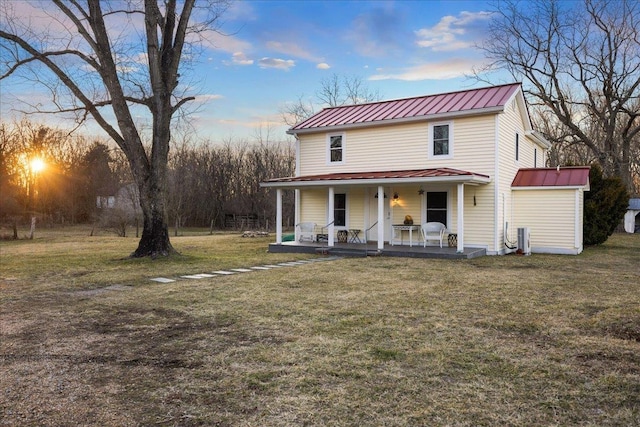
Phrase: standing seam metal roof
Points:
(575, 176)
(467, 100)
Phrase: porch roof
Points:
(412, 176)
(567, 177)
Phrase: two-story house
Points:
(469, 160)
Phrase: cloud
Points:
(227, 43)
(280, 64)
(323, 66)
(239, 58)
(454, 33)
(378, 32)
(291, 49)
(208, 97)
(442, 70)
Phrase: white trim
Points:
(296, 213)
(449, 155)
(426, 204)
(331, 217)
(279, 216)
(343, 144)
(467, 179)
(460, 230)
(555, 250)
(297, 171)
(381, 218)
(577, 222)
(539, 139)
(497, 224)
(366, 214)
(550, 187)
(346, 209)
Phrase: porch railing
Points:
(366, 232)
(323, 236)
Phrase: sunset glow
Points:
(37, 165)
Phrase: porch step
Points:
(348, 252)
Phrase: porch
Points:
(371, 249)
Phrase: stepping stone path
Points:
(243, 270)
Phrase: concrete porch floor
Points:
(371, 249)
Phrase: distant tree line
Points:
(84, 180)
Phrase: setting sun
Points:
(37, 165)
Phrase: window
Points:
(535, 157)
(340, 210)
(517, 146)
(437, 206)
(441, 140)
(336, 148)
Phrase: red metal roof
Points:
(489, 98)
(577, 176)
(419, 174)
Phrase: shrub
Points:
(604, 206)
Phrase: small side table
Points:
(354, 235)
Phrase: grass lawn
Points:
(87, 339)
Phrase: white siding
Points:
(554, 217)
(313, 205)
(403, 146)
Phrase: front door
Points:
(373, 216)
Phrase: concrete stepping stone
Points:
(162, 280)
(244, 270)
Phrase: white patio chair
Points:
(307, 231)
(433, 231)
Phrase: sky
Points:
(269, 54)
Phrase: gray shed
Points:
(632, 217)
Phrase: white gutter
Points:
(467, 179)
(552, 187)
(539, 139)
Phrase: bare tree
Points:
(103, 77)
(581, 61)
(334, 91)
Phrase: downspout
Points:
(496, 190)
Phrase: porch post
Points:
(460, 248)
(380, 217)
(331, 216)
(279, 216)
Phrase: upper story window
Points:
(336, 148)
(535, 157)
(441, 140)
(517, 147)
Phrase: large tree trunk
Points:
(155, 232)
(152, 184)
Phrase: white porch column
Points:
(279, 216)
(381, 218)
(460, 248)
(331, 218)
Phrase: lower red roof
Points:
(574, 176)
(401, 174)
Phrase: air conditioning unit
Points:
(524, 241)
